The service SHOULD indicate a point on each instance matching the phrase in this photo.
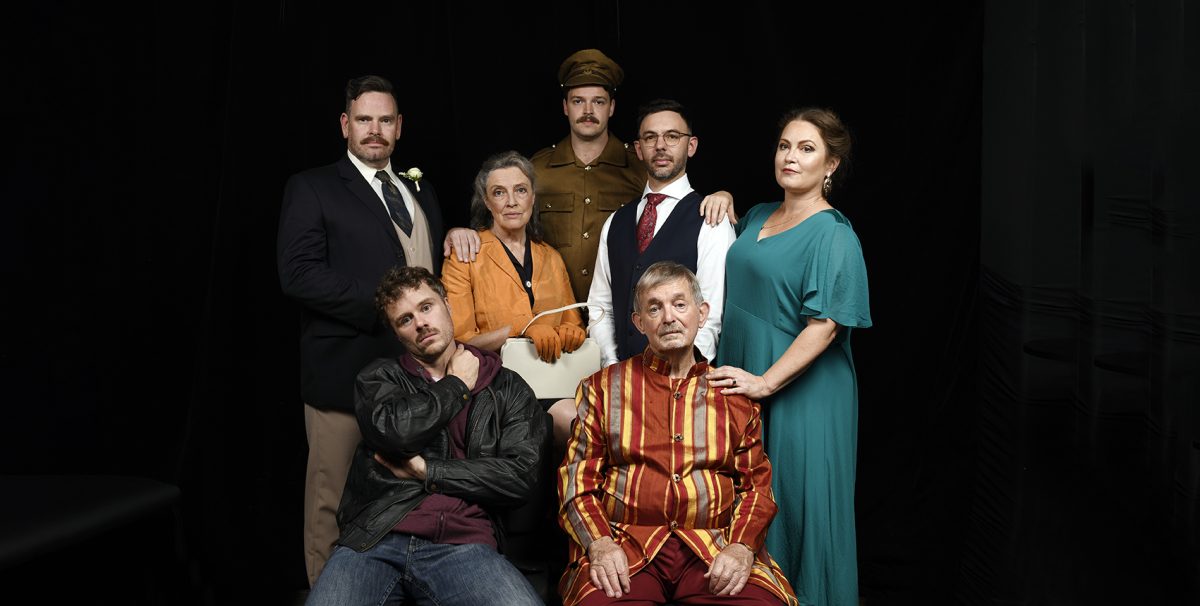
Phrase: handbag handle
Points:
(599, 316)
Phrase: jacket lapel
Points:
(497, 256)
(362, 190)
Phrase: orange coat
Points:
(488, 294)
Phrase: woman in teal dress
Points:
(797, 285)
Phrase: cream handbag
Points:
(551, 380)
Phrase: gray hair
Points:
(481, 216)
(662, 272)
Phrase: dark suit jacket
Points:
(335, 243)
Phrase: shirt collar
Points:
(614, 153)
(368, 173)
(660, 365)
(676, 190)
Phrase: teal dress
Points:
(773, 286)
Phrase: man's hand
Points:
(715, 207)
(462, 241)
(464, 365)
(411, 469)
(730, 569)
(609, 567)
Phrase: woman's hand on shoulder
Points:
(735, 381)
(463, 242)
(717, 207)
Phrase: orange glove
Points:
(572, 336)
(546, 341)
(517, 323)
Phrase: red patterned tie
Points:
(645, 231)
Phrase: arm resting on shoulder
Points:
(816, 337)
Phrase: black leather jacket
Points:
(401, 415)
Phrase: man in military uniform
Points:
(589, 174)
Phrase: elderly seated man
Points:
(666, 491)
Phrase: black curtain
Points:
(1088, 488)
(1018, 184)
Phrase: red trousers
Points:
(677, 575)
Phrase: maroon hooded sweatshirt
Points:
(441, 518)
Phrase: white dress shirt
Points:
(711, 246)
(368, 173)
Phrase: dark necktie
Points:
(395, 203)
(645, 229)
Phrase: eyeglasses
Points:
(671, 138)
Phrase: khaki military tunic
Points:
(576, 198)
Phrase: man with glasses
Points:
(582, 179)
(663, 225)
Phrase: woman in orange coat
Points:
(515, 276)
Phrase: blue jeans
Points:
(401, 566)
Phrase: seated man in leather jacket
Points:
(449, 440)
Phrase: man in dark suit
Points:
(341, 228)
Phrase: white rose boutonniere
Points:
(414, 174)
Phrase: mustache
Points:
(421, 334)
(591, 119)
(374, 139)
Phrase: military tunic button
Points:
(586, 235)
(587, 167)
(583, 271)
(674, 524)
(678, 395)
(676, 477)
(587, 200)
(678, 437)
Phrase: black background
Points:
(1021, 182)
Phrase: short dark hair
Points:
(368, 84)
(400, 279)
(662, 105)
(481, 217)
(833, 132)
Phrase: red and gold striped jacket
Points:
(653, 456)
